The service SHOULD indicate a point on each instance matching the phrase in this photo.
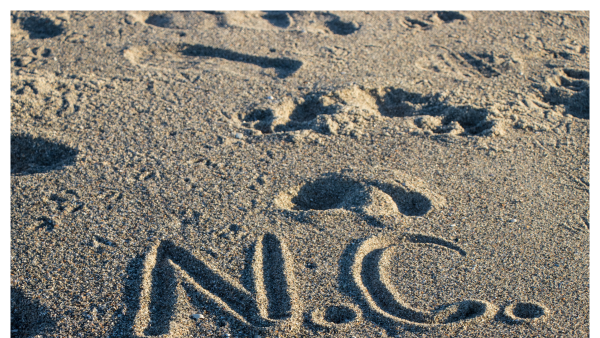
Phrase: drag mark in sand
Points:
(284, 67)
(187, 56)
(366, 267)
(272, 304)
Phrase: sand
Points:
(283, 174)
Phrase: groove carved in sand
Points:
(194, 57)
(272, 305)
(369, 276)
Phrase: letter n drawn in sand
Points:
(272, 304)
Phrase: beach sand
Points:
(283, 174)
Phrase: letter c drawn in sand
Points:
(370, 278)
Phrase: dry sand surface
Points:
(282, 174)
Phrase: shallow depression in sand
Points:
(324, 193)
(528, 310)
(339, 314)
(334, 191)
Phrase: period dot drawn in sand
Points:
(525, 312)
(398, 194)
(29, 155)
(336, 316)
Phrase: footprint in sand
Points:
(29, 155)
(192, 20)
(349, 110)
(569, 91)
(310, 22)
(471, 64)
(37, 53)
(39, 27)
(61, 205)
(29, 317)
(397, 194)
(430, 20)
(65, 202)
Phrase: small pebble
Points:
(452, 225)
(270, 98)
(238, 136)
(197, 316)
(513, 220)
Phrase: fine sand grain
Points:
(283, 174)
